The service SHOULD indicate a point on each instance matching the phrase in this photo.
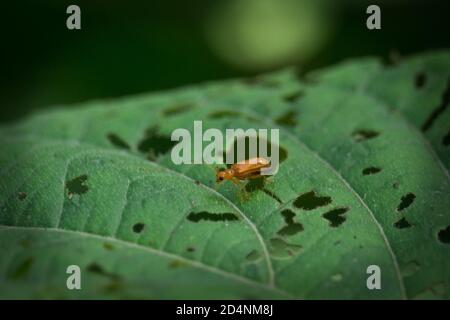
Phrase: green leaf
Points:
(361, 183)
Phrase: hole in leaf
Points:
(190, 249)
(259, 184)
(22, 269)
(371, 170)
(364, 134)
(118, 141)
(406, 201)
(138, 227)
(293, 97)
(446, 139)
(402, 224)
(288, 119)
(444, 235)
(288, 216)
(310, 201)
(439, 109)
(22, 196)
(77, 186)
(282, 249)
(172, 111)
(395, 185)
(207, 216)
(155, 144)
(420, 80)
(253, 256)
(292, 227)
(336, 217)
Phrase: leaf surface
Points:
(361, 183)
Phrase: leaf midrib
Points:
(194, 263)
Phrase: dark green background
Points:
(129, 47)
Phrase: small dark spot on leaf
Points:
(223, 114)
(402, 224)
(406, 201)
(22, 196)
(287, 119)
(254, 255)
(76, 186)
(138, 227)
(108, 246)
(395, 185)
(22, 269)
(446, 139)
(371, 170)
(364, 134)
(310, 201)
(336, 217)
(231, 114)
(197, 182)
(444, 235)
(98, 269)
(420, 80)
(293, 97)
(176, 264)
(172, 111)
(208, 216)
(95, 268)
(190, 249)
(118, 141)
(154, 144)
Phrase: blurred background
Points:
(127, 47)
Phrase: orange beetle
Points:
(247, 169)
